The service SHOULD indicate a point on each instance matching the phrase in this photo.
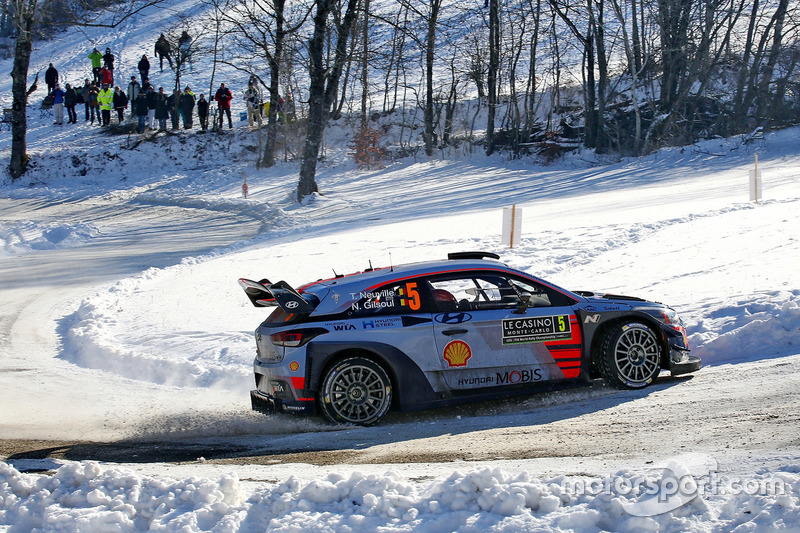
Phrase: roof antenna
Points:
(335, 275)
(370, 269)
(391, 266)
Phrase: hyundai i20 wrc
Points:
(429, 334)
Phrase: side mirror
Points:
(524, 303)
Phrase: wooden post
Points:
(756, 182)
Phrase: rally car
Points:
(435, 333)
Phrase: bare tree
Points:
(262, 25)
(322, 89)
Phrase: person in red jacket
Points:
(223, 98)
(106, 76)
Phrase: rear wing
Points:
(265, 294)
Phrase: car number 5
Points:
(414, 301)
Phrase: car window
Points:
(489, 291)
(396, 298)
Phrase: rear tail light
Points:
(296, 337)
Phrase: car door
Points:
(396, 314)
(486, 338)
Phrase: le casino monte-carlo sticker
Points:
(536, 329)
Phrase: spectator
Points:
(106, 76)
(144, 69)
(173, 101)
(108, 58)
(162, 110)
(223, 98)
(97, 63)
(202, 112)
(133, 89)
(187, 108)
(152, 102)
(253, 99)
(51, 78)
(87, 86)
(58, 104)
(94, 104)
(140, 108)
(288, 108)
(146, 85)
(185, 49)
(120, 103)
(106, 100)
(163, 49)
(70, 99)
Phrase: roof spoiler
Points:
(472, 255)
(265, 294)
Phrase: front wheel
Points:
(630, 356)
(356, 391)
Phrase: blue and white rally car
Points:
(429, 334)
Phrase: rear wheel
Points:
(630, 356)
(356, 391)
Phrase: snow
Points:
(118, 268)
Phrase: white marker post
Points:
(755, 183)
(512, 225)
(244, 186)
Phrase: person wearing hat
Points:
(106, 100)
(108, 58)
(51, 78)
(186, 104)
(162, 109)
(70, 100)
(120, 104)
(58, 104)
(223, 97)
(202, 112)
(97, 63)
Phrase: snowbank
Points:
(29, 236)
(94, 497)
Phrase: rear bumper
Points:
(264, 403)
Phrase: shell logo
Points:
(294, 366)
(457, 353)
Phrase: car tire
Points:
(629, 356)
(355, 391)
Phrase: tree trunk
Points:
(494, 65)
(762, 98)
(602, 70)
(364, 64)
(316, 103)
(430, 44)
(274, 59)
(19, 91)
(320, 95)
